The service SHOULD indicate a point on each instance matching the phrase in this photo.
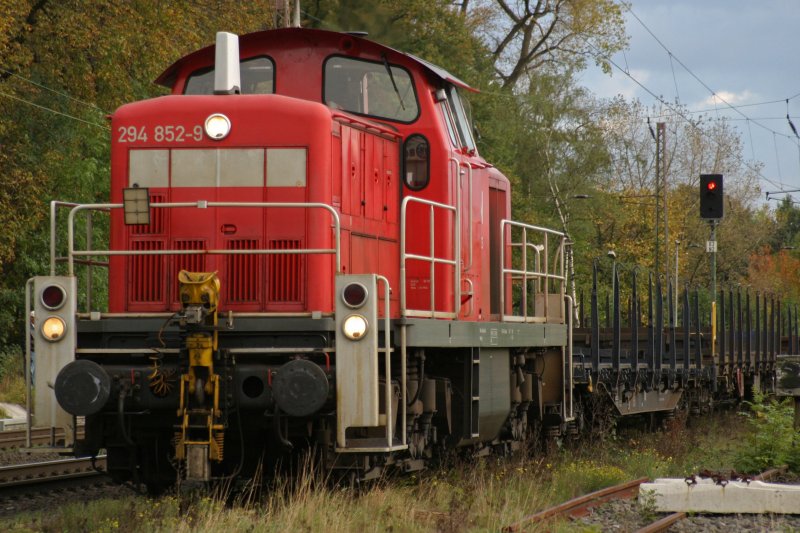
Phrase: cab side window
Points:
(456, 118)
(460, 118)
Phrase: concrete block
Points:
(675, 495)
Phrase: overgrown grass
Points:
(12, 375)
(477, 496)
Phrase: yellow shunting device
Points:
(201, 434)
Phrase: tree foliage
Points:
(65, 66)
(528, 37)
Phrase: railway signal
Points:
(711, 209)
(711, 205)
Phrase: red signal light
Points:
(711, 189)
(53, 297)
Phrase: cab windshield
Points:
(257, 76)
(375, 89)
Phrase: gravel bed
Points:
(13, 456)
(52, 498)
(628, 515)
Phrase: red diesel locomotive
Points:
(305, 250)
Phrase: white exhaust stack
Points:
(227, 77)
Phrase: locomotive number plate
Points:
(160, 133)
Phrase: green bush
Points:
(12, 375)
(772, 440)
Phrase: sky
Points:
(747, 52)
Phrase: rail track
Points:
(22, 478)
(582, 505)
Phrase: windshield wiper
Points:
(391, 77)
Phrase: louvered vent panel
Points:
(243, 280)
(285, 273)
(192, 263)
(146, 273)
(157, 217)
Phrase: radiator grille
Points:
(192, 263)
(157, 217)
(146, 273)
(285, 273)
(243, 280)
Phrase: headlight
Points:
(355, 327)
(53, 328)
(218, 126)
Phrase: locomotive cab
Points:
(305, 248)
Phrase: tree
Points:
(431, 29)
(775, 273)
(527, 36)
(787, 231)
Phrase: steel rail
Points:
(581, 505)
(16, 476)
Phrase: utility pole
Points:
(661, 162)
(289, 15)
(675, 309)
(711, 248)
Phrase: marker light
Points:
(53, 328)
(354, 295)
(53, 297)
(354, 327)
(218, 126)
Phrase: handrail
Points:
(387, 351)
(568, 382)
(203, 204)
(432, 259)
(457, 179)
(541, 270)
(28, 380)
(54, 205)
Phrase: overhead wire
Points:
(682, 113)
(102, 126)
(54, 91)
(732, 107)
(677, 112)
(674, 79)
(752, 146)
(789, 119)
(696, 77)
(753, 104)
